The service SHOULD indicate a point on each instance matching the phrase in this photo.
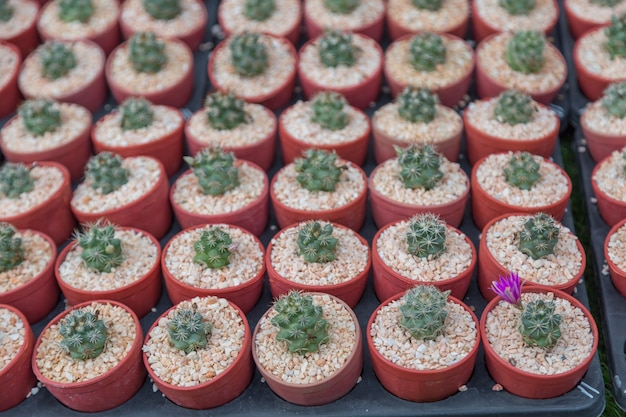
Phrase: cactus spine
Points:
(11, 252)
(146, 52)
(40, 116)
(616, 37)
(84, 334)
(524, 51)
(136, 113)
(329, 110)
(424, 311)
(316, 244)
(75, 10)
(430, 5)
(162, 9)
(426, 236)
(15, 180)
(259, 10)
(6, 11)
(514, 107)
(225, 111)
(336, 49)
(539, 324)
(101, 250)
(215, 171)
(341, 6)
(318, 170)
(419, 166)
(417, 105)
(302, 325)
(614, 100)
(249, 55)
(187, 329)
(213, 248)
(522, 170)
(539, 236)
(426, 51)
(57, 59)
(517, 7)
(105, 172)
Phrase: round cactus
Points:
(525, 51)
(329, 110)
(75, 10)
(316, 244)
(615, 33)
(522, 170)
(6, 11)
(426, 236)
(419, 166)
(417, 105)
(11, 251)
(215, 171)
(162, 9)
(249, 55)
(318, 170)
(15, 180)
(105, 172)
(136, 113)
(424, 311)
(187, 329)
(517, 7)
(614, 100)
(539, 324)
(302, 324)
(225, 111)
(341, 6)
(336, 49)
(57, 59)
(101, 250)
(259, 10)
(539, 236)
(84, 334)
(426, 51)
(146, 52)
(213, 248)
(514, 107)
(430, 5)
(40, 116)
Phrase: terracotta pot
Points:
(155, 202)
(611, 209)
(482, 143)
(37, 297)
(326, 390)
(168, 148)
(526, 384)
(176, 95)
(220, 390)
(17, 377)
(578, 25)
(349, 292)
(485, 207)
(360, 95)
(618, 275)
(489, 269)
(8, 89)
(421, 385)
(396, 30)
(103, 392)
(273, 100)
(26, 39)
(351, 215)
(374, 29)
(389, 283)
(140, 296)
(245, 296)
(57, 207)
(73, 154)
(385, 210)
(252, 217)
(600, 144)
(293, 147)
(449, 95)
(261, 153)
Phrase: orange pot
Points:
(26, 39)
(8, 90)
(611, 209)
(618, 276)
(600, 144)
(578, 25)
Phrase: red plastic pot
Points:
(600, 144)
(244, 296)
(373, 29)
(611, 209)
(618, 275)
(8, 90)
(396, 30)
(578, 24)
(103, 392)
(26, 39)
(526, 384)
(421, 385)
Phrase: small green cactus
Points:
(215, 171)
(419, 166)
(57, 59)
(162, 9)
(146, 52)
(249, 55)
(302, 325)
(539, 324)
(11, 251)
(15, 180)
(514, 107)
(40, 116)
(213, 248)
(426, 51)
(341, 6)
(517, 7)
(424, 311)
(417, 105)
(426, 236)
(522, 170)
(101, 250)
(84, 334)
(105, 172)
(430, 5)
(616, 37)
(525, 51)
(225, 111)
(187, 329)
(75, 10)
(614, 100)
(6, 11)
(259, 10)
(329, 110)
(336, 49)
(316, 244)
(318, 170)
(539, 236)
(136, 113)
(606, 3)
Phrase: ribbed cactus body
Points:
(539, 324)
(525, 51)
(75, 10)
(522, 170)
(430, 5)
(424, 311)
(341, 6)
(426, 236)
(6, 11)
(616, 37)
(146, 52)
(336, 49)
(40, 116)
(215, 171)
(15, 180)
(614, 100)
(101, 250)
(249, 56)
(162, 9)
(187, 329)
(419, 166)
(514, 107)
(259, 10)
(318, 170)
(225, 111)
(11, 251)
(84, 334)
(426, 51)
(213, 248)
(329, 110)
(316, 244)
(106, 172)
(539, 236)
(137, 113)
(417, 105)
(57, 59)
(517, 7)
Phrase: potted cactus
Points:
(613, 244)
(512, 121)
(406, 330)
(516, 242)
(326, 122)
(46, 130)
(419, 180)
(227, 262)
(441, 63)
(555, 341)
(111, 263)
(523, 60)
(138, 127)
(319, 186)
(313, 330)
(72, 20)
(602, 122)
(122, 191)
(586, 15)
(217, 188)
(185, 20)
(518, 182)
(607, 181)
(10, 62)
(89, 356)
(246, 129)
(366, 17)
(412, 16)
(318, 256)
(18, 24)
(347, 63)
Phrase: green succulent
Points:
(539, 236)
(249, 55)
(522, 170)
(615, 33)
(329, 110)
(15, 179)
(341, 6)
(84, 334)
(57, 59)
(162, 9)
(426, 236)
(426, 51)
(424, 311)
(101, 250)
(11, 251)
(137, 113)
(417, 105)
(6, 11)
(146, 52)
(40, 116)
(419, 166)
(540, 325)
(430, 5)
(215, 171)
(316, 244)
(525, 51)
(188, 329)
(75, 10)
(318, 170)
(514, 107)
(517, 7)
(336, 49)
(614, 100)
(259, 10)
(105, 172)
(225, 111)
(213, 248)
